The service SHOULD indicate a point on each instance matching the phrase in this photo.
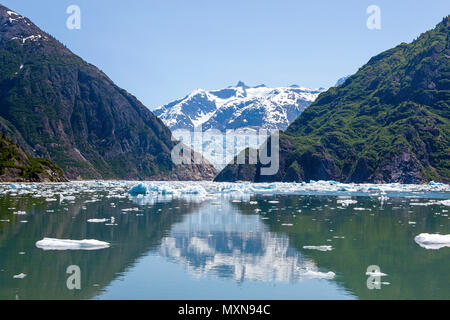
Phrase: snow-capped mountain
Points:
(238, 107)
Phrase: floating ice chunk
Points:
(20, 213)
(347, 202)
(59, 244)
(433, 241)
(422, 204)
(137, 190)
(67, 198)
(20, 276)
(97, 220)
(319, 248)
(319, 275)
(197, 190)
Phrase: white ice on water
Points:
(433, 241)
(47, 244)
(98, 220)
(319, 248)
(67, 192)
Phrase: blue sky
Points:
(161, 50)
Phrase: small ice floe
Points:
(20, 276)
(274, 202)
(412, 222)
(319, 275)
(130, 209)
(346, 203)
(319, 248)
(47, 244)
(97, 220)
(287, 225)
(65, 198)
(20, 213)
(362, 209)
(7, 220)
(433, 241)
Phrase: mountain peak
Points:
(241, 84)
(16, 27)
(237, 107)
(101, 130)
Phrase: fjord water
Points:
(220, 246)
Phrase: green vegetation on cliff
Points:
(387, 123)
(16, 165)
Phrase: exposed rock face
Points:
(390, 122)
(17, 166)
(57, 106)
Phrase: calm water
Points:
(217, 247)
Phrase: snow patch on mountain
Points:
(238, 107)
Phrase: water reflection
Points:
(222, 242)
(248, 244)
(135, 234)
(369, 232)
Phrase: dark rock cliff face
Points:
(57, 106)
(390, 122)
(17, 166)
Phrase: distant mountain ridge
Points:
(388, 123)
(55, 105)
(238, 107)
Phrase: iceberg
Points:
(346, 203)
(433, 241)
(319, 248)
(97, 220)
(319, 275)
(48, 244)
(137, 190)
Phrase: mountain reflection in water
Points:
(208, 247)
